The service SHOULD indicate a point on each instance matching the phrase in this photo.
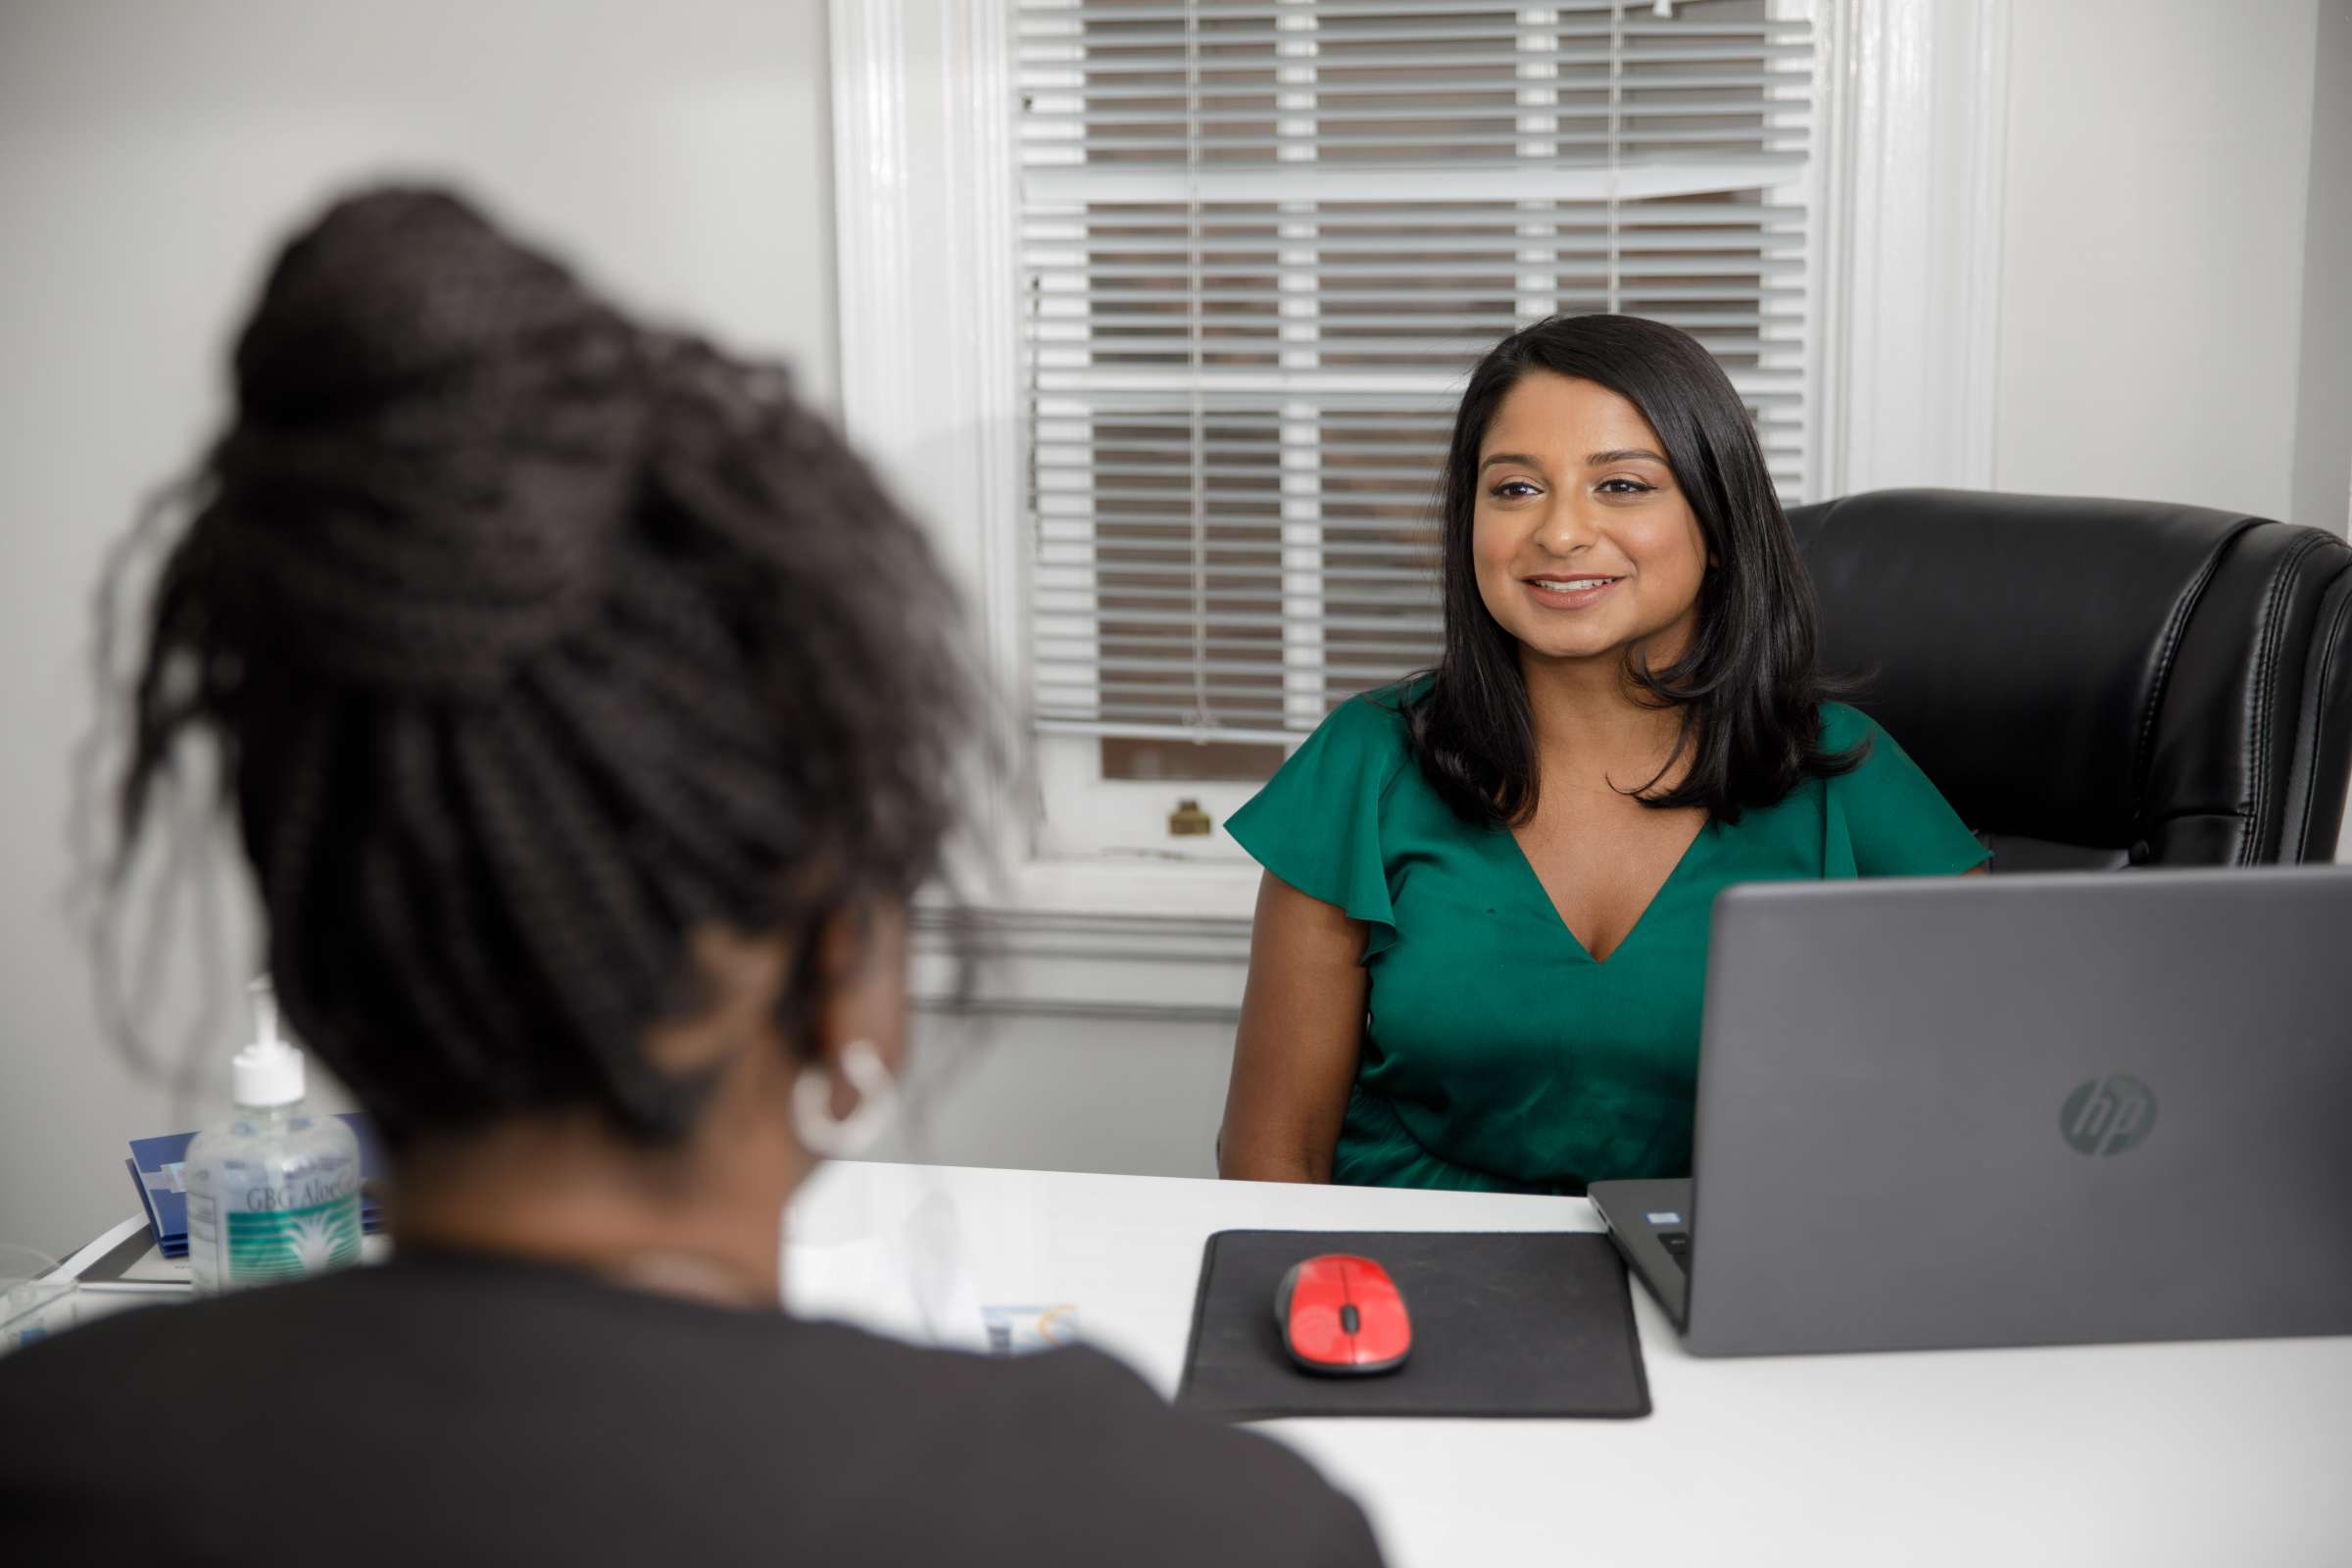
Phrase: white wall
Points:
(2152, 249)
(149, 155)
(1060, 1093)
(2324, 415)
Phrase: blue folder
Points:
(159, 1170)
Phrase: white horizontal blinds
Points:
(1263, 241)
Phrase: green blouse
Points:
(1497, 1055)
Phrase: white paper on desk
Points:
(901, 1275)
(152, 1267)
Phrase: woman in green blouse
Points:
(1480, 941)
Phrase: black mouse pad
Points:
(1505, 1323)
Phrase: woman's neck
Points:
(1589, 721)
(568, 1191)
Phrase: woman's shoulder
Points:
(1322, 821)
(1382, 714)
(1370, 734)
(1892, 817)
(1844, 727)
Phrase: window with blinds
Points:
(1263, 243)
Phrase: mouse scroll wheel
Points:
(1350, 1321)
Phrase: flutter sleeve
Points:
(1317, 825)
(1886, 817)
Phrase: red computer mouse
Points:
(1342, 1315)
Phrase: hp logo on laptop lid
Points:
(2108, 1115)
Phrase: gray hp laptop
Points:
(2014, 1110)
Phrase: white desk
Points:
(2235, 1453)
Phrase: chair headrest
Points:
(2021, 648)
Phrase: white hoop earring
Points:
(819, 1131)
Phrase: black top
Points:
(449, 1409)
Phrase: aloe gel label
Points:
(289, 1242)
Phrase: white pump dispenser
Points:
(268, 1072)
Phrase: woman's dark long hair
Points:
(532, 640)
(1746, 687)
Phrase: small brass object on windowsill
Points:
(1188, 820)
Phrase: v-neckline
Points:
(1544, 894)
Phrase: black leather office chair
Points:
(2096, 684)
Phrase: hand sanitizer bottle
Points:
(273, 1192)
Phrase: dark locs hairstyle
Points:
(1746, 687)
(530, 640)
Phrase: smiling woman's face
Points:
(1583, 544)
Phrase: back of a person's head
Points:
(533, 642)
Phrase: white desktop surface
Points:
(2230, 1453)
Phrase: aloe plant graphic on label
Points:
(313, 1242)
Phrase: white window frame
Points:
(1904, 216)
